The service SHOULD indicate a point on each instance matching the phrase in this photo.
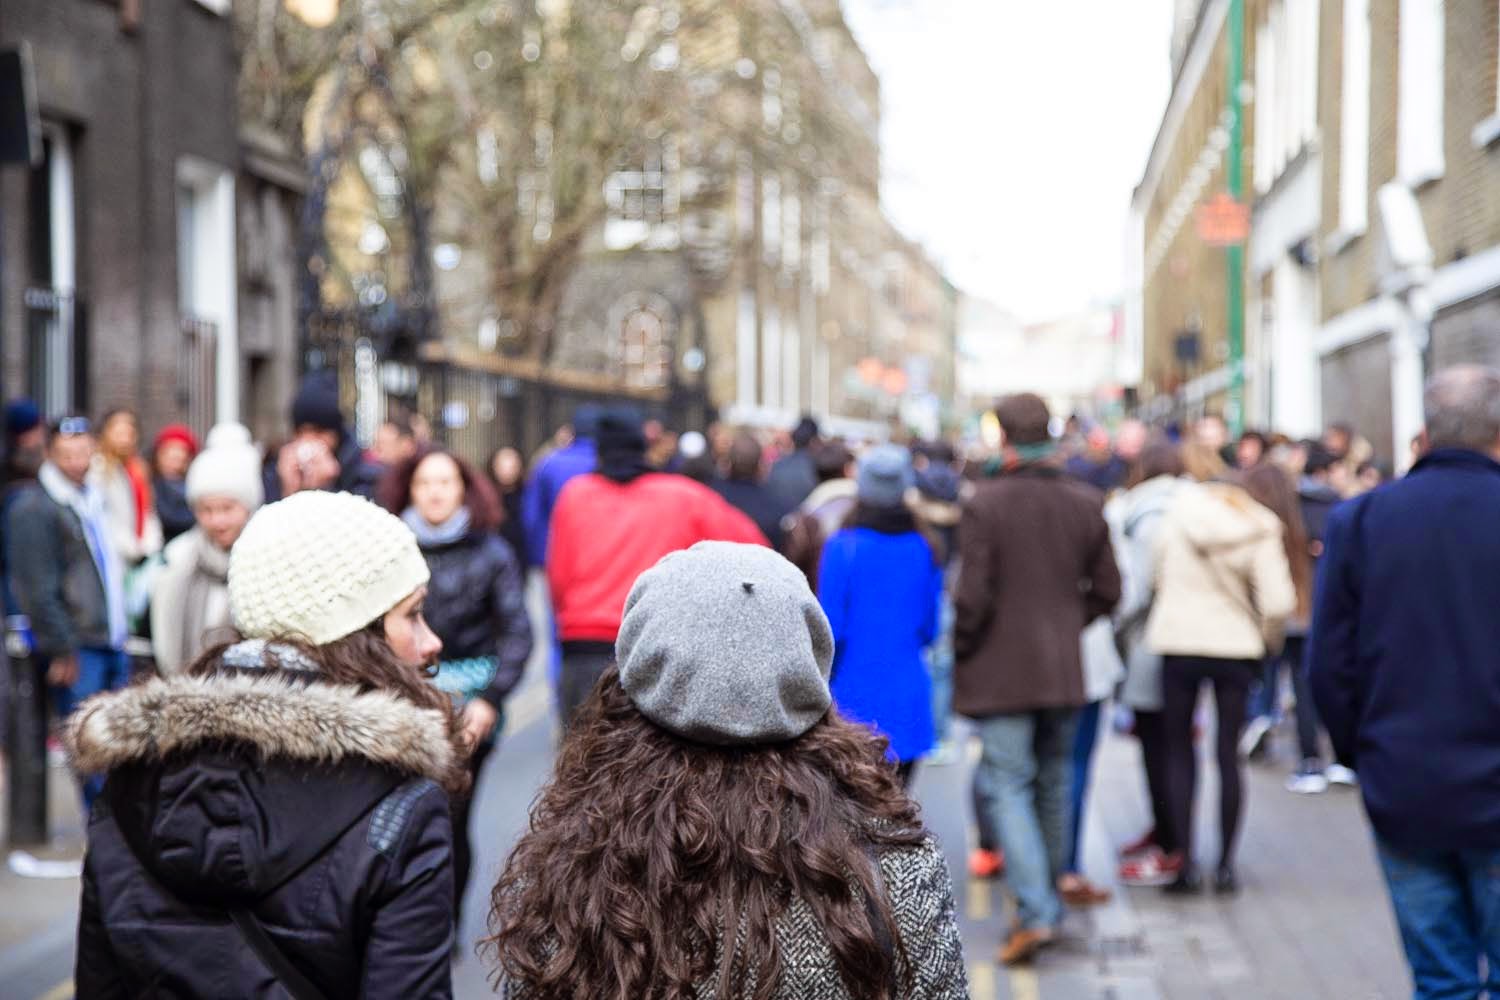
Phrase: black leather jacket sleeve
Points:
(409, 948)
(514, 641)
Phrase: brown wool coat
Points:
(1037, 567)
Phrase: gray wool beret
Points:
(725, 644)
(884, 475)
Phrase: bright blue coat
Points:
(881, 593)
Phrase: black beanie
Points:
(317, 403)
(622, 444)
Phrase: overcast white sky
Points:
(1013, 134)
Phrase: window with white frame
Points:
(644, 204)
(1419, 109)
(1354, 123)
(1286, 75)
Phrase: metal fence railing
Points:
(196, 371)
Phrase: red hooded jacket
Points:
(605, 534)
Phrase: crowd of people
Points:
(755, 640)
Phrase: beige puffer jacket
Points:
(1222, 581)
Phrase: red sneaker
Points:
(986, 864)
(1144, 845)
(1152, 868)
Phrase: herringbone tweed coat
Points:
(921, 897)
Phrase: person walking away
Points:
(323, 453)
(476, 604)
(551, 474)
(707, 748)
(275, 820)
(880, 584)
(938, 505)
(1404, 658)
(394, 443)
(1223, 588)
(794, 476)
(609, 527)
(807, 529)
(1036, 567)
(1097, 464)
(172, 453)
(190, 600)
(507, 471)
(66, 576)
(1155, 858)
(744, 490)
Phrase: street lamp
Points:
(314, 13)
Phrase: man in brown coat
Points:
(1037, 567)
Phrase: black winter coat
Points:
(313, 805)
(52, 575)
(476, 603)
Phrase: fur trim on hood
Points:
(313, 723)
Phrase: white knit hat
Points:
(228, 466)
(321, 566)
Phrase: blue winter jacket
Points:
(542, 491)
(1405, 651)
(881, 592)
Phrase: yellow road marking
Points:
(979, 900)
(1024, 984)
(982, 981)
(62, 991)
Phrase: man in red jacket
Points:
(608, 528)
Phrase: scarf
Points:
(429, 536)
(205, 604)
(85, 502)
(886, 520)
(623, 466)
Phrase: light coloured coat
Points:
(1222, 584)
(1137, 530)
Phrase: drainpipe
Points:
(1407, 259)
(1235, 253)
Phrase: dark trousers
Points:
(1151, 731)
(1083, 767)
(1182, 677)
(582, 666)
(460, 810)
(1293, 657)
(907, 772)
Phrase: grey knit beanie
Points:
(725, 644)
(884, 476)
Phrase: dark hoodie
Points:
(312, 805)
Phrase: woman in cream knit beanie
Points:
(315, 749)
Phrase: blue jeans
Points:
(940, 666)
(1027, 759)
(98, 670)
(1448, 908)
(1083, 766)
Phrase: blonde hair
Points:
(1202, 462)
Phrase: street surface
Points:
(1312, 922)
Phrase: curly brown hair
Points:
(646, 853)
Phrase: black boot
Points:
(1226, 882)
(1188, 883)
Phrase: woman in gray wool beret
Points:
(713, 827)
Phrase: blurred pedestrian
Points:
(745, 490)
(1405, 666)
(1250, 450)
(795, 475)
(1037, 566)
(172, 453)
(190, 596)
(938, 506)
(507, 471)
(323, 453)
(1223, 591)
(66, 576)
(123, 481)
(476, 604)
(694, 460)
(1097, 464)
(879, 583)
(753, 842)
(550, 474)
(25, 441)
(808, 527)
(295, 782)
(609, 527)
(1155, 858)
(395, 442)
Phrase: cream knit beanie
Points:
(320, 566)
(228, 466)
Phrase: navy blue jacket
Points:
(1405, 651)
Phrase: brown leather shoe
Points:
(1024, 944)
(1075, 890)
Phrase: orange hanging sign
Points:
(1222, 221)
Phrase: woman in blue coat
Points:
(880, 580)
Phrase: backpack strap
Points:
(298, 985)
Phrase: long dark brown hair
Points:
(647, 856)
(394, 491)
(366, 661)
(1272, 488)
